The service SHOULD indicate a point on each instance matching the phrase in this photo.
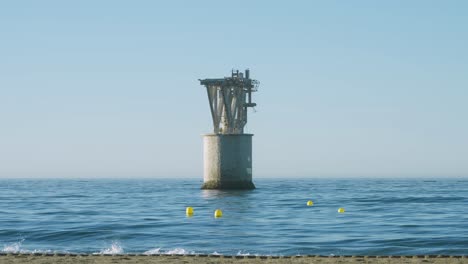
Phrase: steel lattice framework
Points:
(229, 98)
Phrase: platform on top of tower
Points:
(237, 79)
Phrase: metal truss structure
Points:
(229, 98)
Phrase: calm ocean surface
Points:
(383, 217)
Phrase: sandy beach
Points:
(188, 259)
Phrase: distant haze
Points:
(358, 88)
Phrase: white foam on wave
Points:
(115, 248)
(42, 251)
(16, 247)
(243, 253)
(175, 251)
(153, 251)
(181, 251)
(13, 247)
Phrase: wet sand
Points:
(189, 259)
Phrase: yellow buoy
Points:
(218, 213)
(189, 211)
(341, 210)
(310, 203)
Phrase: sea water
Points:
(147, 216)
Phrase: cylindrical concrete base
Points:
(227, 161)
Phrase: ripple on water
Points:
(148, 216)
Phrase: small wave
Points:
(13, 247)
(153, 251)
(16, 248)
(179, 251)
(115, 248)
(175, 251)
(243, 253)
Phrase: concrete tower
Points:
(227, 153)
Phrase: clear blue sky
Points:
(348, 88)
